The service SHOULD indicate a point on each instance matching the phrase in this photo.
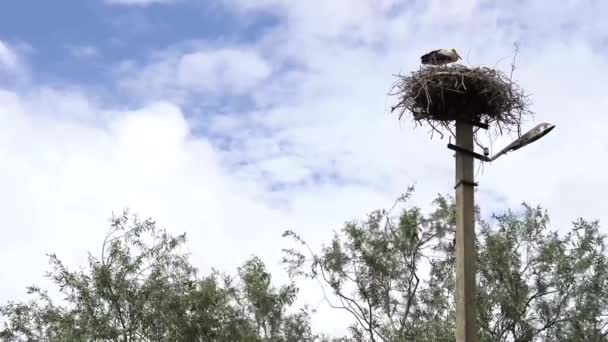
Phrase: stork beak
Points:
(457, 55)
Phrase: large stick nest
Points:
(441, 95)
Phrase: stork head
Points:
(456, 54)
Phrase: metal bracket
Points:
(469, 153)
(474, 123)
(464, 182)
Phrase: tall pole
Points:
(466, 313)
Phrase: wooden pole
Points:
(466, 310)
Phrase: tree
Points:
(395, 275)
(393, 271)
(142, 288)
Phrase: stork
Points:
(440, 57)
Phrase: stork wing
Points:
(428, 57)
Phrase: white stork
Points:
(440, 57)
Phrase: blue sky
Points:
(64, 33)
(233, 120)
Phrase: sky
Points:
(234, 120)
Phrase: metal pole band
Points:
(465, 182)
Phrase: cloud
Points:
(234, 70)
(73, 173)
(139, 2)
(329, 108)
(71, 162)
(8, 58)
(182, 74)
(12, 65)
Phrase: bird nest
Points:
(439, 96)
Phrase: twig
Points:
(438, 96)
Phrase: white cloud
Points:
(67, 170)
(210, 72)
(335, 112)
(11, 63)
(236, 70)
(8, 58)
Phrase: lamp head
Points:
(540, 131)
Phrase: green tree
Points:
(143, 288)
(395, 274)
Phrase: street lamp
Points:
(438, 96)
(466, 312)
(529, 137)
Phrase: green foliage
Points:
(395, 275)
(393, 271)
(142, 288)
